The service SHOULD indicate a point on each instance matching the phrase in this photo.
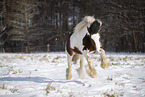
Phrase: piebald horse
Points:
(84, 40)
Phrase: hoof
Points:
(81, 73)
(68, 74)
(91, 72)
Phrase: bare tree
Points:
(37, 23)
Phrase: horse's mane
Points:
(86, 20)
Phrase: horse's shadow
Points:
(39, 80)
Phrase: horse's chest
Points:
(88, 43)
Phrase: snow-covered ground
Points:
(43, 74)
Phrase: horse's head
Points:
(93, 30)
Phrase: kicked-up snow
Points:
(44, 75)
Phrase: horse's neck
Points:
(82, 32)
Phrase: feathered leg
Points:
(68, 70)
(80, 70)
(104, 62)
(90, 68)
(75, 58)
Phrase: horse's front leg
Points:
(104, 62)
(80, 70)
(68, 70)
(90, 68)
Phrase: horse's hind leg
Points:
(75, 58)
(90, 68)
(80, 70)
(68, 70)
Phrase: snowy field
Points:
(43, 75)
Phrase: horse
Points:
(84, 40)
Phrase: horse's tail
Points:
(87, 20)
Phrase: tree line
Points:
(32, 25)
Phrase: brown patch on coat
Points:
(88, 43)
(76, 50)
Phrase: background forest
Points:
(33, 25)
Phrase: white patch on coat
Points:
(76, 40)
(96, 38)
